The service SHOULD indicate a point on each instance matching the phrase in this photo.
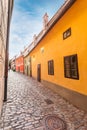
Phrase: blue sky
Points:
(27, 20)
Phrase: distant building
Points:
(13, 64)
(19, 61)
(5, 16)
(57, 57)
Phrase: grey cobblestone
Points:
(26, 106)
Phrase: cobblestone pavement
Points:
(27, 106)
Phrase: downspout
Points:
(6, 54)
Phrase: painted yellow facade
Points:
(56, 48)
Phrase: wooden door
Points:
(39, 72)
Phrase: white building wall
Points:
(3, 36)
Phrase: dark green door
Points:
(39, 72)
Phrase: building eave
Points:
(54, 20)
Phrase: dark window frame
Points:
(71, 67)
(50, 67)
(67, 33)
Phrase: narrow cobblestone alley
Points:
(30, 103)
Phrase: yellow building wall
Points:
(56, 48)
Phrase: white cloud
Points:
(23, 27)
(25, 24)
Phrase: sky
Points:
(27, 20)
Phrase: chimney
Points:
(34, 39)
(45, 21)
(24, 47)
(21, 53)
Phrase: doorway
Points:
(39, 72)
(27, 70)
(18, 69)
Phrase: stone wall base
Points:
(77, 99)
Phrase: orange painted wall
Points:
(20, 64)
(56, 48)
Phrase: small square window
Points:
(67, 33)
(51, 67)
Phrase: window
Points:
(51, 67)
(67, 33)
(42, 49)
(71, 67)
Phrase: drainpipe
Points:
(6, 54)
